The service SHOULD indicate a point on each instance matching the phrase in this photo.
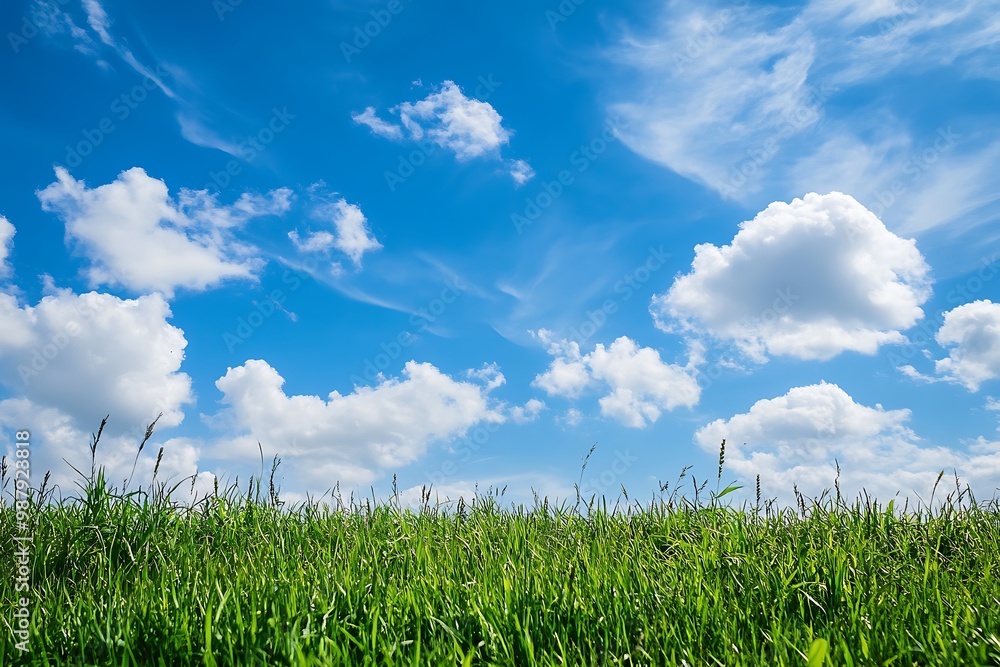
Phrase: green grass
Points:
(131, 578)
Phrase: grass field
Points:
(130, 578)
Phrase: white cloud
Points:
(567, 375)
(521, 172)
(489, 374)
(320, 241)
(572, 417)
(71, 360)
(800, 437)
(441, 496)
(98, 20)
(523, 414)
(353, 236)
(350, 438)
(90, 355)
(713, 85)
(949, 32)
(855, 12)
(53, 21)
(507, 491)
(467, 127)
(377, 125)
(914, 183)
(973, 331)
(810, 279)
(195, 131)
(100, 23)
(203, 207)
(7, 232)
(59, 442)
(641, 384)
(736, 98)
(912, 373)
(136, 236)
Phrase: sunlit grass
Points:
(134, 578)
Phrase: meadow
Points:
(121, 577)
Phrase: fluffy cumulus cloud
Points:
(641, 384)
(972, 330)
(72, 359)
(799, 439)
(523, 414)
(351, 234)
(810, 279)
(59, 444)
(572, 417)
(567, 374)
(737, 96)
(6, 245)
(89, 355)
(467, 127)
(136, 236)
(349, 439)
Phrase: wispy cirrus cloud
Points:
(353, 437)
(100, 23)
(742, 98)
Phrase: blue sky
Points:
(463, 246)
